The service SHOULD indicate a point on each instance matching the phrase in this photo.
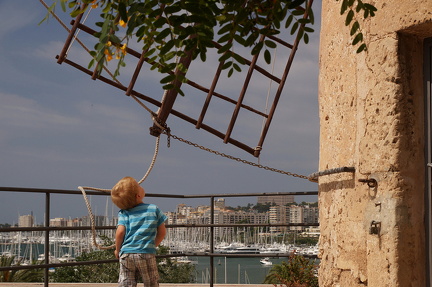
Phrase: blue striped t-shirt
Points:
(141, 224)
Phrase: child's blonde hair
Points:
(123, 194)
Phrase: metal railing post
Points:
(47, 246)
(212, 240)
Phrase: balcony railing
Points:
(211, 253)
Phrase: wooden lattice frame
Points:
(166, 104)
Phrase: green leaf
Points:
(349, 17)
(311, 15)
(370, 8)
(227, 65)
(76, 12)
(168, 79)
(225, 29)
(358, 38)
(238, 58)
(230, 72)
(359, 7)
(122, 11)
(167, 47)
(300, 34)
(172, 9)
(366, 14)
(267, 56)
(168, 87)
(344, 7)
(361, 48)
(294, 28)
(224, 57)
(203, 55)
(298, 12)
(257, 48)
(251, 39)
(303, 21)
(107, 8)
(180, 91)
(294, 4)
(71, 4)
(224, 48)
(159, 22)
(308, 29)
(91, 64)
(163, 34)
(306, 38)
(224, 38)
(239, 39)
(270, 44)
(168, 56)
(288, 21)
(220, 18)
(354, 28)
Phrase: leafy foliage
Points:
(171, 29)
(168, 30)
(351, 11)
(298, 271)
(96, 273)
(24, 275)
(171, 272)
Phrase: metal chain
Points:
(234, 158)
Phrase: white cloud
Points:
(15, 15)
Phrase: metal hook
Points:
(371, 182)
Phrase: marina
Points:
(66, 246)
(29, 248)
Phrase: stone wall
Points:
(372, 118)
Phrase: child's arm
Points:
(160, 235)
(119, 237)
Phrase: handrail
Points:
(47, 265)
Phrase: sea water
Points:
(229, 270)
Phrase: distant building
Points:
(282, 214)
(99, 220)
(277, 199)
(220, 203)
(26, 221)
(184, 209)
(74, 222)
(58, 222)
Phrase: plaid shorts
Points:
(134, 264)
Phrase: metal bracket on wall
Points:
(314, 176)
(371, 182)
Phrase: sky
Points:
(59, 129)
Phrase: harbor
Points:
(235, 270)
(29, 248)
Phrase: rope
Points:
(166, 131)
(154, 119)
(267, 100)
(75, 37)
(92, 221)
(64, 26)
(152, 162)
